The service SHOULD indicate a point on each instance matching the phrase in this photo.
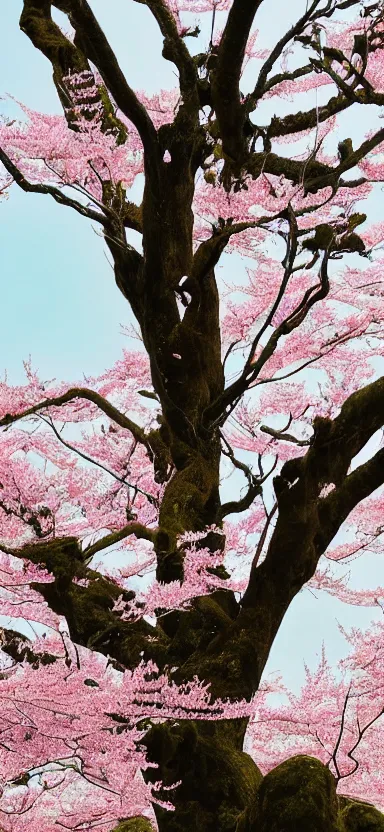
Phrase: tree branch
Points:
(89, 609)
(226, 402)
(317, 174)
(307, 523)
(20, 648)
(56, 193)
(297, 122)
(36, 22)
(359, 738)
(93, 43)
(334, 509)
(254, 486)
(225, 78)
(133, 216)
(87, 458)
(296, 29)
(280, 77)
(90, 395)
(141, 533)
(361, 415)
(338, 741)
(66, 58)
(175, 50)
(285, 437)
(208, 253)
(333, 179)
(263, 536)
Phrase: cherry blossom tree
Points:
(154, 589)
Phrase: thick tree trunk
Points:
(218, 780)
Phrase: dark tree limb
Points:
(225, 79)
(226, 402)
(89, 395)
(285, 437)
(175, 50)
(280, 77)
(254, 486)
(307, 120)
(20, 649)
(47, 37)
(208, 253)
(244, 503)
(313, 175)
(133, 216)
(140, 531)
(296, 29)
(307, 522)
(361, 732)
(334, 509)
(89, 609)
(91, 40)
(54, 192)
(66, 58)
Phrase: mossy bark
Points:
(358, 816)
(297, 796)
(138, 824)
(218, 778)
(300, 796)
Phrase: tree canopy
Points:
(140, 706)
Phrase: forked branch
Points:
(226, 78)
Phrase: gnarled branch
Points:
(307, 522)
(254, 486)
(298, 27)
(89, 395)
(55, 193)
(94, 45)
(89, 609)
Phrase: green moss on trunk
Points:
(218, 779)
(362, 817)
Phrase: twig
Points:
(48, 421)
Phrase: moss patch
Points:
(218, 780)
(138, 824)
(362, 817)
(297, 796)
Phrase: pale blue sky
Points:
(59, 300)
